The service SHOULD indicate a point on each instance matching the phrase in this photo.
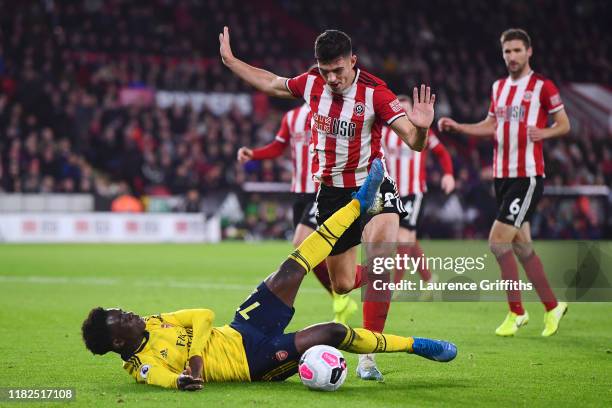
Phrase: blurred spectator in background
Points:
(67, 70)
(192, 203)
(126, 202)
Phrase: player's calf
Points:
(329, 334)
(286, 282)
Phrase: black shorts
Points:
(304, 209)
(261, 320)
(517, 198)
(413, 203)
(331, 199)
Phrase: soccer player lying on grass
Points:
(183, 350)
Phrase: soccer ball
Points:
(322, 368)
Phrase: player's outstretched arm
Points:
(413, 128)
(269, 151)
(484, 128)
(262, 80)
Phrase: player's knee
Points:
(342, 288)
(523, 250)
(499, 248)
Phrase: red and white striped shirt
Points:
(295, 128)
(516, 105)
(346, 127)
(407, 166)
(294, 131)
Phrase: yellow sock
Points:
(319, 244)
(364, 341)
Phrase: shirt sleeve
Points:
(491, 111)
(147, 371)
(443, 156)
(283, 135)
(550, 99)
(432, 140)
(297, 85)
(269, 151)
(386, 105)
(199, 320)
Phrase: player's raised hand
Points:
(224, 46)
(422, 113)
(447, 125)
(244, 154)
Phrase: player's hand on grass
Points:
(224, 46)
(447, 125)
(244, 154)
(447, 183)
(186, 382)
(422, 113)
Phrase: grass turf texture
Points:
(47, 291)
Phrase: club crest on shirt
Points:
(281, 355)
(164, 353)
(527, 96)
(359, 109)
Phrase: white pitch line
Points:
(66, 280)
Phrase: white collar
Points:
(521, 79)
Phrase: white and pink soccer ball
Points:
(322, 368)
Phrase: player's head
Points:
(516, 49)
(334, 55)
(405, 102)
(107, 330)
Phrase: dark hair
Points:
(332, 44)
(515, 34)
(95, 332)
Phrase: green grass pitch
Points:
(48, 289)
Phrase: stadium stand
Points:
(80, 110)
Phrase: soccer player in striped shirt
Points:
(407, 167)
(520, 106)
(184, 349)
(349, 108)
(295, 132)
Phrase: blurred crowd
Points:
(63, 65)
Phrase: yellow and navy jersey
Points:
(171, 339)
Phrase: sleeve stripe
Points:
(491, 114)
(557, 109)
(281, 139)
(287, 86)
(394, 118)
